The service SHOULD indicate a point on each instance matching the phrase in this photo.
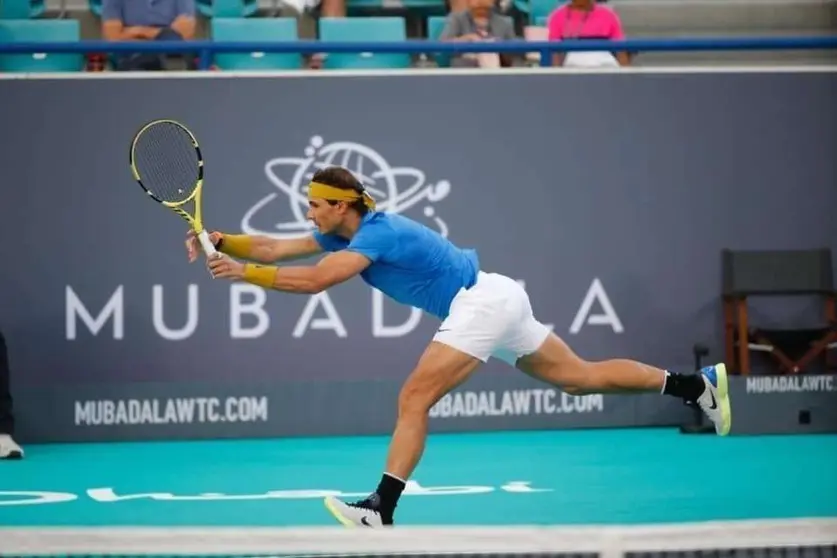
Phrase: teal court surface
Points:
(625, 476)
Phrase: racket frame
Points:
(196, 220)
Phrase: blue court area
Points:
(566, 477)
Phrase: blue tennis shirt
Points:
(411, 263)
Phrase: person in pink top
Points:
(585, 19)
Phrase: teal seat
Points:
(364, 29)
(256, 29)
(40, 31)
(541, 9)
(95, 6)
(375, 4)
(227, 8)
(21, 9)
(435, 26)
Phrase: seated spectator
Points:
(8, 447)
(501, 6)
(332, 8)
(586, 19)
(321, 8)
(479, 22)
(146, 20)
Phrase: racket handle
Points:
(208, 247)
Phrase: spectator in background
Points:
(478, 22)
(147, 20)
(324, 8)
(586, 19)
(333, 8)
(501, 6)
(8, 447)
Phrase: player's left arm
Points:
(333, 269)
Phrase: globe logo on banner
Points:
(395, 189)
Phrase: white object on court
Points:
(9, 448)
(353, 516)
(715, 399)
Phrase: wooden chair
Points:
(748, 274)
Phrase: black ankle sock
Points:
(685, 386)
(389, 491)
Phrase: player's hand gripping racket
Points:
(167, 162)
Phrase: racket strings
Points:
(167, 162)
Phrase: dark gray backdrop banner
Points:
(610, 196)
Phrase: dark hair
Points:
(340, 177)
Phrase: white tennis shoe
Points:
(9, 448)
(357, 514)
(715, 399)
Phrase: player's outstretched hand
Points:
(193, 245)
(221, 266)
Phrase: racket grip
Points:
(208, 247)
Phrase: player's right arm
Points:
(254, 248)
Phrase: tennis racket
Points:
(167, 163)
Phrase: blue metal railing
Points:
(206, 48)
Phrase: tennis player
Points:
(483, 314)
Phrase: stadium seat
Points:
(256, 29)
(435, 26)
(21, 9)
(95, 6)
(371, 29)
(227, 8)
(40, 31)
(541, 9)
(535, 9)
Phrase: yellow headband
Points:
(326, 192)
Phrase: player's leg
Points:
(555, 363)
(533, 348)
(440, 369)
(8, 447)
(478, 320)
(545, 356)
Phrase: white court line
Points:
(608, 541)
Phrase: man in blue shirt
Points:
(147, 20)
(483, 315)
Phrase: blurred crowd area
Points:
(401, 20)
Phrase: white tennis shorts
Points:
(492, 318)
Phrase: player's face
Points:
(325, 216)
